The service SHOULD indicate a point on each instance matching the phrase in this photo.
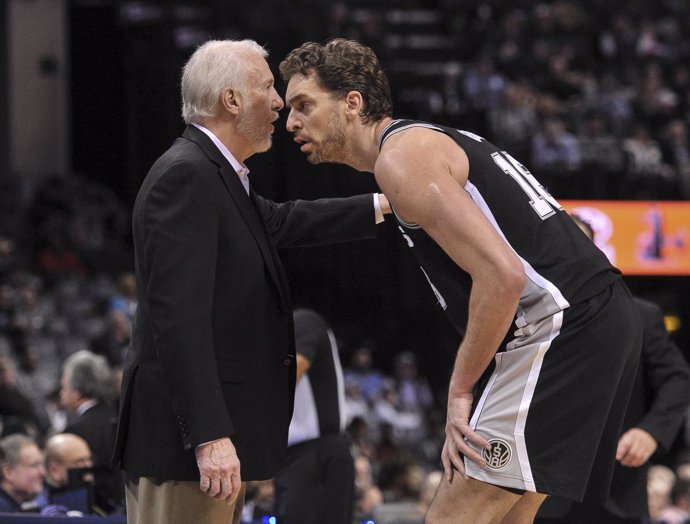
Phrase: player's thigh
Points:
(525, 509)
(469, 501)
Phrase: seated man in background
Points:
(21, 474)
(86, 393)
(63, 452)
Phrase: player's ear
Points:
(354, 104)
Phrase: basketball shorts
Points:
(553, 406)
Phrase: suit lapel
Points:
(232, 182)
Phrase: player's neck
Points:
(366, 147)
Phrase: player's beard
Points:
(258, 137)
(333, 146)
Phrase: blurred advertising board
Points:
(639, 237)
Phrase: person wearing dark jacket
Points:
(209, 378)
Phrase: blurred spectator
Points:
(13, 330)
(361, 370)
(614, 100)
(22, 473)
(356, 406)
(602, 157)
(514, 121)
(647, 175)
(8, 256)
(556, 160)
(86, 394)
(17, 413)
(362, 439)
(114, 341)
(675, 147)
(64, 452)
(660, 484)
(656, 102)
(483, 86)
(367, 494)
(680, 495)
(56, 254)
(125, 300)
(259, 502)
(414, 391)
(405, 426)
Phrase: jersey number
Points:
(539, 198)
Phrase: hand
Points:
(635, 447)
(458, 433)
(219, 468)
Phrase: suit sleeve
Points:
(180, 247)
(303, 223)
(667, 378)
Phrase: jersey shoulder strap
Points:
(401, 125)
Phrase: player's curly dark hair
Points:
(343, 66)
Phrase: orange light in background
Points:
(672, 323)
(639, 237)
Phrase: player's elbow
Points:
(513, 280)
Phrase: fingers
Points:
(447, 465)
(205, 483)
(232, 497)
(461, 442)
(224, 488)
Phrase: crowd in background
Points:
(594, 99)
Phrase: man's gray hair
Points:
(11, 446)
(214, 66)
(89, 374)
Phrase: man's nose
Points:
(292, 123)
(278, 103)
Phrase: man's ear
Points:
(354, 103)
(229, 100)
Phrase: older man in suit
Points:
(86, 391)
(209, 378)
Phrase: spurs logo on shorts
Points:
(499, 456)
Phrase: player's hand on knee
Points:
(459, 435)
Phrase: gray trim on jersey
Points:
(501, 413)
(540, 298)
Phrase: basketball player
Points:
(551, 337)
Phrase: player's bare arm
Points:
(423, 172)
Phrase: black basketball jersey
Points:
(562, 265)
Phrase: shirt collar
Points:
(86, 406)
(241, 169)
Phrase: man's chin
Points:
(266, 145)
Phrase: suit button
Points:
(187, 447)
(287, 362)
